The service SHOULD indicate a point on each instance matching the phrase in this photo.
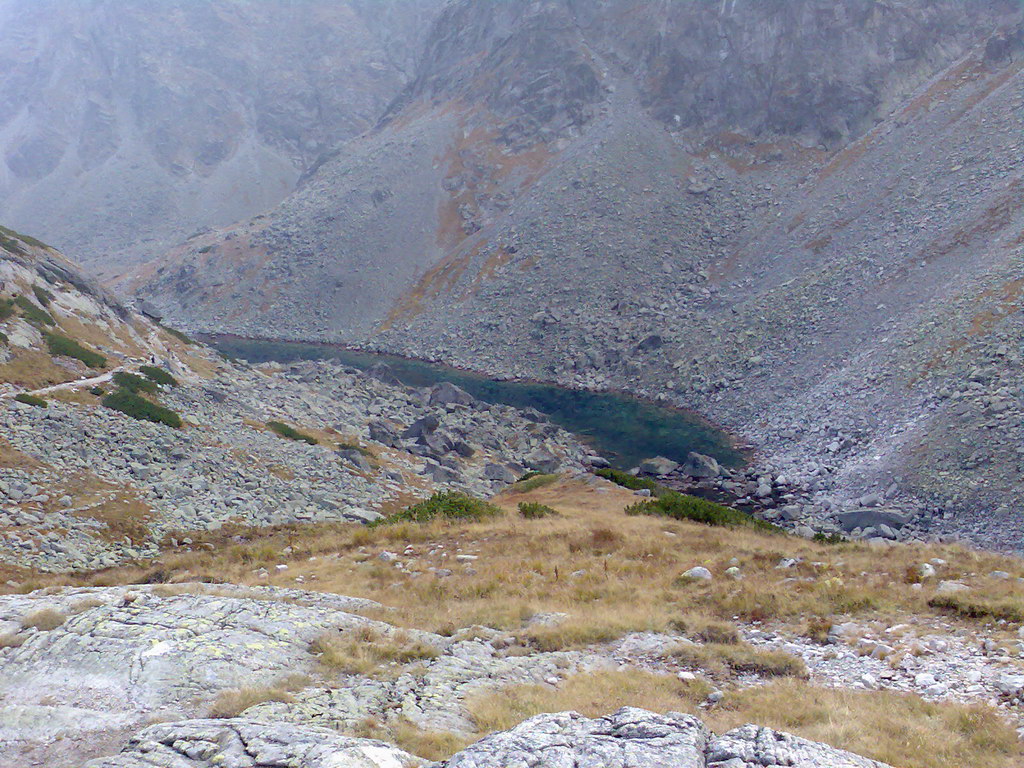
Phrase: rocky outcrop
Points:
(630, 738)
(247, 744)
(125, 128)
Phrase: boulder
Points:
(383, 434)
(659, 466)
(249, 744)
(753, 747)
(542, 460)
(873, 518)
(424, 426)
(500, 473)
(447, 393)
(356, 458)
(630, 738)
(698, 465)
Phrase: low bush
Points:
(450, 505)
(6, 309)
(131, 404)
(290, 433)
(741, 658)
(533, 481)
(132, 383)
(32, 313)
(234, 702)
(43, 296)
(62, 346)
(679, 506)
(158, 376)
(632, 482)
(347, 445)
(533, 510)
(27, 399)
(98, 391)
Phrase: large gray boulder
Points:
(250, 744)
(700, 466)
(630, 738)
(447, 393)
(754, 747)
(659, 466)
(873, 518)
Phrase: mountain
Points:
(800, 218)
(126, 126)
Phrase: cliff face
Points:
(125, 125)
(801, 218)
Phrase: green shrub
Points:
(32, 313)
(290, 433)
(6, 309)
(133, 383)
(140, 408)
(5, 232)
(62, 346)
(681, 507)
(450, 505)
(532, 510)
(28, 399)
(632, 482)
(533, 481)
(43, 296)
(4, 339)
(98, 391)
(831, 538)
(158, 376)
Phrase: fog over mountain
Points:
(127, 125)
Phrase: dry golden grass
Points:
(432, 745)
(593, 694)
(33, 369)
(11, 640)
(44, 619)
(740, 658)
(234, 702)
(367, 651)
(901, 730)
(611, 573)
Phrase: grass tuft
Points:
(62, 346)
(32, 313)
(365, 650)
(27, 399)
(44, 619)
(290, 433)
(532, 481)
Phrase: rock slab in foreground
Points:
(630, 738)
(250, 744)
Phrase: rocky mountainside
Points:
(84, 485)
(126, 126)
(799, 218)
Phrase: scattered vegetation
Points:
(32, 313)
(158, 376)
(179, 335)
(9, 234)
(7, 310)
(43, 296)
(98, 391)
(131, 404)
(740, 658)
(290, 433)
(534, 510)
(968, 605)
(232, 703)
(62, 346)
(532, 481)
(27, 399)
(897, 729)
(365, 650)
(132, 383)
(593, 694)
(348, 445)
(679, 506)
(450, 505)
(632, 482)
(44, 619)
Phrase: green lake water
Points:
(624, 429)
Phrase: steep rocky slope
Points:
(125, 126)
(84, 485)
(800, 218)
